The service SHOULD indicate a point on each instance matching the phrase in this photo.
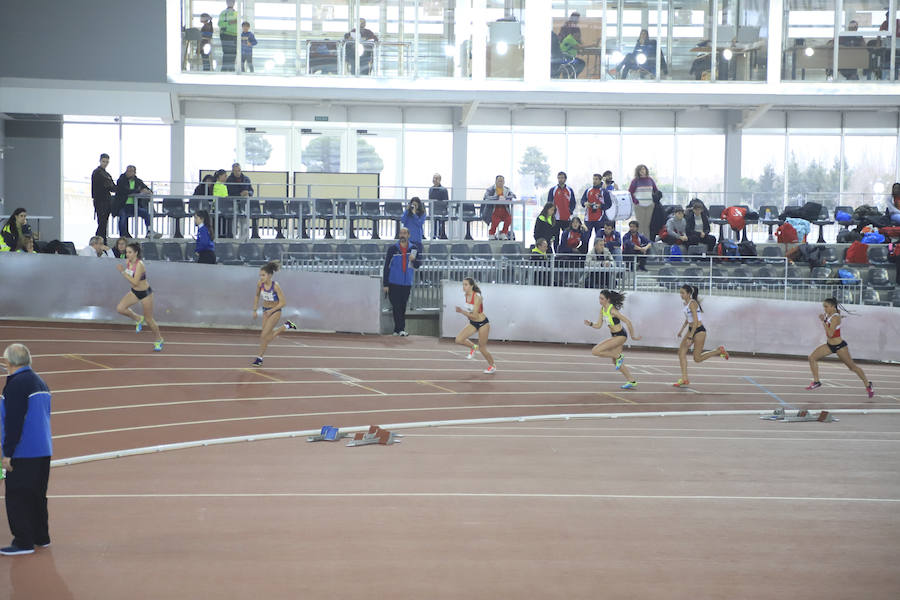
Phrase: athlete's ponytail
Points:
(474, 285)
(617, 299)
(838, 307)
(271, 266)
(692, 291)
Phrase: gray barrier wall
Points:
(543, 314)
(44, 286)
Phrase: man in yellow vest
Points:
(228, 32)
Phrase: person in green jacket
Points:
(228, 32)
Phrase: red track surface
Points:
(111, 392)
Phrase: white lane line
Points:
(645, 437)
(491, 495)
(617, 427)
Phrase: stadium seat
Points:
(769, 278)
(174, 209)
(878, 255)
(895, 298)
(469, 215)
(772, 220)
(225, 254)
(668, 278)
(715, 217)
(325, 211)
(821, 222)
(773, 255)
(822, 275)
(275, 209)
(798, 276)
(879, 279)
(438, 251)
(348, 253)
(512, 250)
(871, 297)
(831, 256)
(367, 211)
(483, 251)
(846, 209)
(172, 252)
(272, 251)
(251, 253)
(393, 211)
(149, 251)
(256, 213)
(460, 251)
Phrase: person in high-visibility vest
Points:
(11, 233)
(228, 33)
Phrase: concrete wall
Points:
(81, 288)
(89, 40)
(32, 175)
(740, 324)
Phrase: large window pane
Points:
(426, 153)
(83, 143)
(814, 169)
(809, 33)
(490, 154)
(701, 168)
(870, 163)
(655, 151)
(590, 153)
(762, 168)
(147, 148)
(208, 148)
(505, 41)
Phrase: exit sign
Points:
(322, 118)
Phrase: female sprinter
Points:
(696, 334)
(834, 344)
(610, 304)
(134, 271)
(272, 303)
(474, 311)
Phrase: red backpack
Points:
(786, 234)
(735, 215)
(857, 253)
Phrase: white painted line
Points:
(489, 495)
(427, 424)
(646, 437)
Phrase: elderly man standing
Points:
(27, 446)
(399, 273)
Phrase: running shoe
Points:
(139, 325)
(814, 385)
(403, 334)
(157, 346)
(723, 352)
(491, 370)
(290, 325)
(681, 383)
(871, 390)
(472, 351)
(619, 360)
(257, 362)
(630, 385)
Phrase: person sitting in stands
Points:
(697, 221)
(541, 260)
(676, 228)
(635, 244)
(95, 248)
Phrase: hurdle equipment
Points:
(375, 435)
(801, 416)
(328, 434)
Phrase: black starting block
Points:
(328, 434)
(375, 435)
(801, 416)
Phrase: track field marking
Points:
(620, 398)
(618, 427)
(365, 387)
(83, 359)
(485, 495)
(440, 387)
(261, 374)
(646, 437)
(780, 401)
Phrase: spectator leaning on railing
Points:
(238, 185)
(128, 188)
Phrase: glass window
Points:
(870, 163)
(814, 169)
(700, 168)
(490, 154)
(762, 168)
(809, 28)
(656, 151)
(505, 41)
(83, 143)
(590, 153)
(208, 148)
(380, 153)
(147, 147)
(266, 150)
(426, 153)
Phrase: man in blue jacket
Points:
(399, 272)
(27, 446)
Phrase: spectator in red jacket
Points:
(563, 198)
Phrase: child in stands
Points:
(610, 304)
(273, 301)
(834, 344)
(696, 334)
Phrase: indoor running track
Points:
(656, 507)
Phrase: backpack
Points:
(865, 213)
(857, 253)
(736, 217)
(810, 211)
(847, 277)
(843, 217)
(801, 226)
(675, 254)
(747, 248)
(873, 238)
(812, 255)
(727, 248)
(786, 234)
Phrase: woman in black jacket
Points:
(545, 225)
(698, 226)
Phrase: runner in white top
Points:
(696, 334)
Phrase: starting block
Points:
(802, 416)
(328, 434)
(375, 435)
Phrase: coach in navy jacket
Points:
(400, 266)
(27, 446)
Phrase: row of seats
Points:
(877, 253)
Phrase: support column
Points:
(34, 173)
(176, 170)
(776, 42)
(732, 177)
(457, 229)
(538, 23)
